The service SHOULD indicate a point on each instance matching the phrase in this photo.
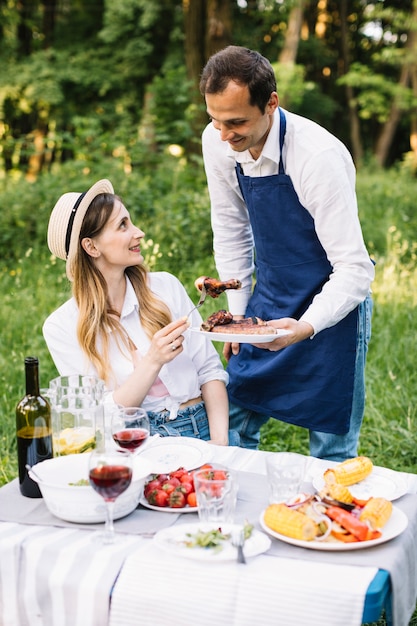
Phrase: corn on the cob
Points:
(338, 492)
(290, 522)
(377, 512)
(350, 471)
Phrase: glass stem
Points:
(109, 528)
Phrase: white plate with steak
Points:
(221, 326)
(241, 338)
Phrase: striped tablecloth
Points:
(54, 573)
(157, 589)
(57, 576)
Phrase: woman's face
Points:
(118, 244)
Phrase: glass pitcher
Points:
(77, 414)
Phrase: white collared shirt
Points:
(183, 376)
(323, 175)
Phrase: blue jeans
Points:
(190, 422)
(322, 445)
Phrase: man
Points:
(282, 191)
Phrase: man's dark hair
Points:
(244, 66)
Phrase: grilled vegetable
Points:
(289, 522)
(338, 492)
(376, 512)
(350, 471)
(349, 522)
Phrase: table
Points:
(53, 573)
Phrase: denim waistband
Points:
(182, 413)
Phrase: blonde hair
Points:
(96, 318)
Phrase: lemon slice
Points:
(74, 441)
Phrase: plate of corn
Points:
(333, 528)
(363, 479)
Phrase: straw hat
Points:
(66, 221)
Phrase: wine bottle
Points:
(33, 428)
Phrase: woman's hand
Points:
(167, 343)
(165, 346)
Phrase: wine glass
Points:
(110, 474)
(130, 427)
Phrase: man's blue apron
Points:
(309, 383)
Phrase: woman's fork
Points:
(200, 302)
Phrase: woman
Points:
(127, 325)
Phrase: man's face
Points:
(242, 125)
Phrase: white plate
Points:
(168, 454)
(397, 523)
(167, 509)
(381, 483)
(229, 337)
(170, 539)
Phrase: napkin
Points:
(267, 590)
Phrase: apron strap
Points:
(282, 129)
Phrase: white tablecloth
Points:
(51, 576)
(156, 589)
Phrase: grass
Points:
(33, 285)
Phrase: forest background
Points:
(93, 89)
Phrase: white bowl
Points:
(82, 504)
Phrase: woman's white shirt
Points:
(183, 376)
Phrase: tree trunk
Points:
(355, 135)
(413, 129)
(194, 29)
(218, 26)
(386, 137)
(49, 12)
(292, 36)
(207, 27)
(36, 159)
(26, 10)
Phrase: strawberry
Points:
(176, 499)
(150, 486)
(158, 497)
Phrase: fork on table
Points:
(238, 541)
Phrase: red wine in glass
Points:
(110, 473)
(110, 480)
(130, 427)
(131, 438)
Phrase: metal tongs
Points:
(200, 302)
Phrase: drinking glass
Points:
(285, 471)
(216, 492)
(110, 474)
(130, 427)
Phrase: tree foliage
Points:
(82, 80)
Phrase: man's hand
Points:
(232, 348)
(298, 332)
